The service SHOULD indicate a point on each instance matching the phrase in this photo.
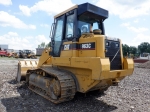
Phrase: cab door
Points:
(71, 34)
(57, 37)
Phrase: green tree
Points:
(148, 49)
(132, 50)
(125, 49)
(144, 47)
(43, 45)
(48, 45)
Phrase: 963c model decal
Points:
(81, 46)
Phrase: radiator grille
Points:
(112, 48)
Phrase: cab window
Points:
(70, 26)
(58, 36)
(58, 32)
(87, 24)
(95, 25)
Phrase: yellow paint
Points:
(90, 67)
(45, 58)
(128, 63)
(67, 52)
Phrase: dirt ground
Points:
(131, 95)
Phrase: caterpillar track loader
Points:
(25, 54)
(81, 57)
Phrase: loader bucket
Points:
(23, 66)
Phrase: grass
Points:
(6, 58)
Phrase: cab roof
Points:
(89, 9)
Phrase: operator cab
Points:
(27, 52)
(72, 23)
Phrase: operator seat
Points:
(97, 31)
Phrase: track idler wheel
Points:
(54, 89)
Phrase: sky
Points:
(24, 24)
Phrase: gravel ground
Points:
(131, 95)
(144, 65)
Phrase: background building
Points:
(39, 51)
(3, 46)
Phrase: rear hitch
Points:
(115, 82)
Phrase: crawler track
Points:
(66, 84)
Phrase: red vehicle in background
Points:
(3, 53)
(6, 52)
(10, 54)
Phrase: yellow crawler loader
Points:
(81, 58)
